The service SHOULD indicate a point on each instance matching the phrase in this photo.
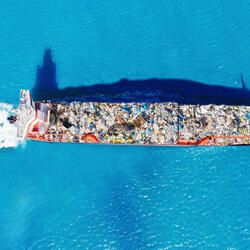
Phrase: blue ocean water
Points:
(119, 197)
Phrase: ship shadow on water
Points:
(149, 90)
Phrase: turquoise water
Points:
(91, 196)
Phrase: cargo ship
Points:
(159, 124)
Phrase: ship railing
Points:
(217, 140)
(56, 137)
(50, 137)
(234, 140)
(206, 141)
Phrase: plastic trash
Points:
(247, 116)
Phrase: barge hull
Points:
(150, 124)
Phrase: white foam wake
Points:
(8, 131)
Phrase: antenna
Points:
(242, 82)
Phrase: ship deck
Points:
(164, 124)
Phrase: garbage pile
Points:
(117, 123)
(143, 123)
(199, 121)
